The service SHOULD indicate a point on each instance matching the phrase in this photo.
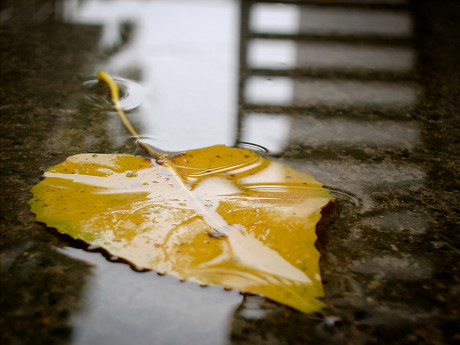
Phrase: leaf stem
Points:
(217, 223)
(115, 92)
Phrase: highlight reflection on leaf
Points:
(216, 215)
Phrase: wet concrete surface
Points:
(390, 244)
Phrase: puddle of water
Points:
(271, 91)
(124, 306)
(187, 71)
(285, 54)
(356, 22)
(132, 95)
(383, 242)
(267, 130)
(341, 132)
(360, 181)
(279, 18)
(286, 91)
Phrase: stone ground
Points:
(390, 244)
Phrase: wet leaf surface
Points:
(216, 215)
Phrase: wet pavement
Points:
(363, 95)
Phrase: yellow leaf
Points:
(216, 215)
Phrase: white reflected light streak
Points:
(274, 18)
(269, 130)
(185, 55)
(272, 54)
(274, 91)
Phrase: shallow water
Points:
(362, 96)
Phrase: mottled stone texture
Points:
(390, 244)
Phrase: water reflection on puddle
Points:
(304, 88)
(285, 54)
(127, 307)
(185, 56)
(285, 18)
(132, 94)
(285, 91)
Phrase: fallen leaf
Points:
(216, 215)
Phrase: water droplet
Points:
(131, 94)
(251, 146)
(346, 196)
(138, 268)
